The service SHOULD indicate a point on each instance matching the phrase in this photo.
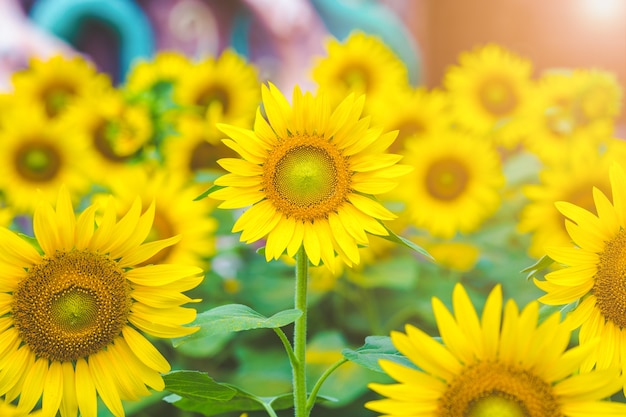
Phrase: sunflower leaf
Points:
(541, 264)
(208, 191)
(375, 349)
(393, 237)
(198, 392)
(235, 318)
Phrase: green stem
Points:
(299, 336)
(270, 410)
(311, 402)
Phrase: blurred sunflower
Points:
(227, 85)
(37, 156)
(72, 314)
(572, 180)
(593, 276)
(57, 82)
(176, 213)
(167, 68)
(483, 367)
(360, 64)
(307, 174)
(554, 120)
(117, 130)
(455, 184)
(488, 88)
(414, 112)
(598, 100)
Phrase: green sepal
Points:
(393, 237)
(541, 264)
(209, 191)
(375, 349)
(235, 318)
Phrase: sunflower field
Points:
(196, 242)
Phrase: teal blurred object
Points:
(369, 16)
(66, 18)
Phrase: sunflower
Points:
(362, 64)
(57, 82)
(555, 122)
(455, 185)
(598, 100)
(37, 156)
(167, 68)
(73, 314)
(593, 275)
(308, 172)
(571, 180)
(484, 368)
(176, 212)
(117, 130)
(227, 85)
(414, 112)
(488, 88)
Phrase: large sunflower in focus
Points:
(360, 64)
(455, 185)
(57, 82)
(503, 364)
(488, 88)
(37, 156)
(593, 276)
(227, 85)
(74, 313)
(307, 174)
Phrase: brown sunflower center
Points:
(56, 97)
(447, 179)
(162, 228)
(490, 389)
(205, 156)
(37, 161)
(104, 140)
(214, 94)
(306, 177)
(497, 96)
(610, 280)
(71, 305)
(356, 78)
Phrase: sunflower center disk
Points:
(497, 97)
(71, 305)
(494, 389)
(447, 179)
(610, 280)
(307, 181)
(56, 99)
(37, 162)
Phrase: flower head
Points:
(308, 173)
(73, 312)
(484, 368)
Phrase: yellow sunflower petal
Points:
(432, 356)
(104, 381)
(311, 243)
(69, 401)
(14, 249)
(147, 374)
(145, 351)
(162, 274)
(35, 379)
(466, 318)
(85, 390)
(571, 256)
(451, 334)
(146, 251)
(370, 207)
(240, 167)
(573, 276)
(53, 391)
(490, 322)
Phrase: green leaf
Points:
(211, 398)
(541, 264)
(375, 349)
(197, 386)
(235, 318)
(208, 191)
(393, 237)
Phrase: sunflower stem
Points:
(299, 337)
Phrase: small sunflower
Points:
(483, 367)
(360, 64)
(117, 130)
(73, 314)
(593, 275)
(167, 68)
(37, 156)
(176, 213)
(571, 180)
(488, 88)
(57, 82)
(414, 112)
(455, 185)
(228, 85)
(308, 172)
